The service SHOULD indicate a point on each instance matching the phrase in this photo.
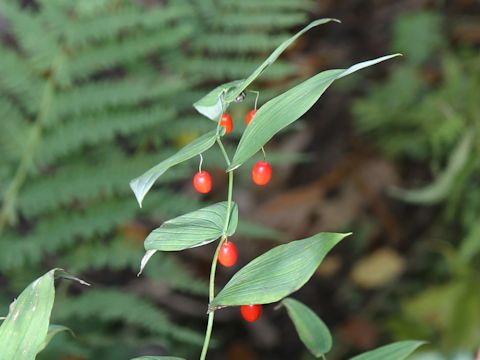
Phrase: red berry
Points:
(262, 173)
(227, 123)
(228, 254)
(250, 116)
(202, 182)
(251, 313)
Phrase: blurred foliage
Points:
(91, 95)
(426, 112)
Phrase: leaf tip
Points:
(139, 195)
(145, 259)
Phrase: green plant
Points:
(281, 271)
(85, 87)
(432, 120)
(267, 279)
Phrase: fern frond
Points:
(221, 43)
(81, 183)
(110, 94)
(73, 135)
(226, 68)
(65, 228)
(270, 5)
(125, 19)
(117, 254)
(167, 268)
(113, 306)
(26, 26)
(260, 21)
(18, 79)
(14, 130)
(17, 252)
(96, 58)
(189, 126)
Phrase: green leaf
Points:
(211, 104)
(52, 331)
(142, 184)
(277, 273)
(197, 228)
(273, 57)
(284, 109)
(310, 328)
(440, 188)
(25, 330)
(396, 351)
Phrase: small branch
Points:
(224, 152)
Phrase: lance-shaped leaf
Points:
(213, 104)
(398, 351)
(288, 107)
(142, 184)
(194, 229)
(273, 57)
(197, 228)
(277, 273)
(310, 328)
(24, 332)
(440, 188)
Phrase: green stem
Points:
(211, 292)
(224, 152)
(7, 213)
(211, 295)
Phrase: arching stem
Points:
(211, 292)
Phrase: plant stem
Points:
(211, 292)
(224, 152)
(7, 212)
(211, 295)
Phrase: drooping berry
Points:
(228, 254)
(202, 182)
(251, 313)
(262, 173)
(227, 122)
(250, 116)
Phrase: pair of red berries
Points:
(228, 256)
(261, 175)
(262, 171)
(227, 122)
